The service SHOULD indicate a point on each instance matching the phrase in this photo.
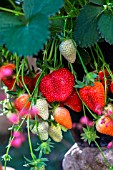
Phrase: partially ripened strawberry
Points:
(8, 80)
(42, 107)
(93, 96)
(74, 102)
(22, 102)
(62, 116)
(55, 132)
(104, 125)
(68, 50)
(58, 85)
(8, 65)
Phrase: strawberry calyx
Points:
(89, 79)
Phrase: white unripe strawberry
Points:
(41, 129)
(42, 107)
(68, 50)
(55, 132)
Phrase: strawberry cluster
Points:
(46, 98)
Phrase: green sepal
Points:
(89, 135)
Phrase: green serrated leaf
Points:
(24, 37)
(105, 26)
(86, 33)
(56, 25)
(6, 21)
(97, 2)
(48, 7)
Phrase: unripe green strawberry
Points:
(68, 50)
(55, 132)
(43, 130)
(42, 107)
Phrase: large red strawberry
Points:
(22, 102)
(74, 102)
(93, 96)
(58, 85)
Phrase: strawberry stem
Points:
(29, 139)
(11, 11)
(10, 140)
(13, 4)
(22, 73)
(55, 54)
(35, 91)
(105, 160)
(95, 63)
(83, 65)
(72, 70)
(51, 51)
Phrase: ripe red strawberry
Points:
(9, 82)
(22, 102)
(104, 125)
(74, 102)
(111, 87)
(58, 85)
(26, 81)
(62, 116)
(102, 73)
(32, 83)
(68, 50)
(93, 96)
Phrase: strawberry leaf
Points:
(21, 36)
(97, 2)
(105, 26)
(48, 7)
(86, 33)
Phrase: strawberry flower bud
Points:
(110, 145)
(18, 139)
(14, 118)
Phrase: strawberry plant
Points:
(48, 77)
